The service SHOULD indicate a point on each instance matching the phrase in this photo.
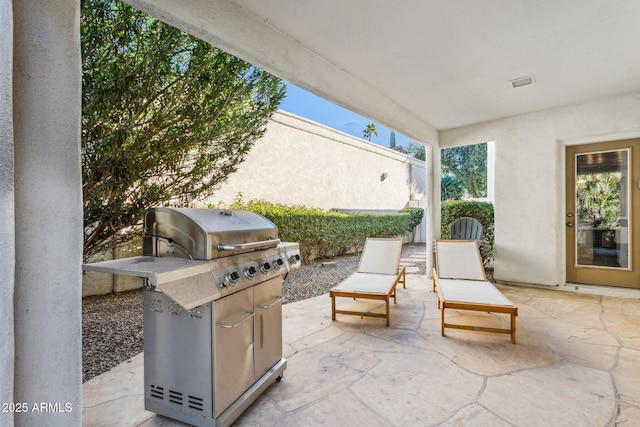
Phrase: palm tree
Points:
(369, 130)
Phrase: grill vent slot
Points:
(157, 392)
(195, 313)
(195, 403)
(175, 309)
(175, 397)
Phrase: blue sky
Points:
(305, 104)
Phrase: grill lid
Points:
(206, 234)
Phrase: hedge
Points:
(323, 233)
(482, 211)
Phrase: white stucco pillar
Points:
(433, 183)
(48, 211)
(491, 172)
(7, 241)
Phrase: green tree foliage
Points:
(468, 164)
(450, 188)
(416, 150)
(598, 199)
(415, 219)
(166, 117)
(369, 131)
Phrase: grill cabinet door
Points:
(233, 348)
(268, 324)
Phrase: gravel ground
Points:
(112, 324)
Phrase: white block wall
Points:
(300, 162)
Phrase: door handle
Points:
(270, 304)
(570, 224)
(235, 325)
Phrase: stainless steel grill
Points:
(212, 310)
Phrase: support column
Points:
(7, 225)
(433, 202)
(48, 212)
(491, 172)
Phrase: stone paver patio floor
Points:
(576, 363)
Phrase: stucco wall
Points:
(300, 162)
(7, 224)
(529, 179)
(47, 184)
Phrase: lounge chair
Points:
(377, 276)
(462, 284)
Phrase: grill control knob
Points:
(231, 278)
(250, 271)
(294, 258)
(265, 267)
(278, 263)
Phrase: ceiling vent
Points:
(523, 81)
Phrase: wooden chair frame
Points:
(372, 280)
(493, 300)
(386, 297)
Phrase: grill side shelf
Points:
(188, 282)
(156, 269)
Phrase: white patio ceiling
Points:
(425, 65)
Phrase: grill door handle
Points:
(261, 331)
(266, 305)
(235, 325)
(252, 245)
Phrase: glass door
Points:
(602, 206)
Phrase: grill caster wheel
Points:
(279, 378)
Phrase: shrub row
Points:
(323, 233)
(482, 211)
